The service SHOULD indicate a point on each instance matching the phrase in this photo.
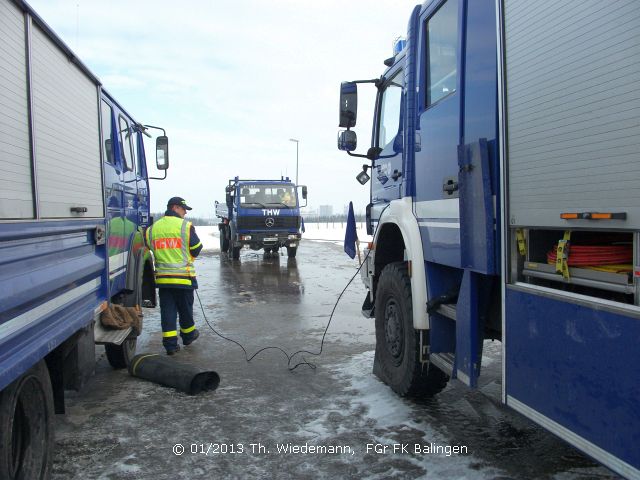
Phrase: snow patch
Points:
(318, 232)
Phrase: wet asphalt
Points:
(120, 427)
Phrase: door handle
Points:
(396, 174)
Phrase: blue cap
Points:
(178, 201)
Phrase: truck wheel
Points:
(235, 252)
(291, 252)
(224, 240)
(26, 430)
(397, 358)
(119, 356)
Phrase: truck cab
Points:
(261, 214)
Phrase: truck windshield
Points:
(259, 195)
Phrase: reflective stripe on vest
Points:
(169, 239)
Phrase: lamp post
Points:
(297, 142)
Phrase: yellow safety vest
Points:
(169, 238)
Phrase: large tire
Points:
(224, 239)
(291, 252)
(397, 358)
(119, 356)
(235, 252)
(26, 430)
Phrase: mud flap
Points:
(368, 308)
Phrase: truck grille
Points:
(258, 223)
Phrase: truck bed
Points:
(222, 211)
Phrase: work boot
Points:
(173, 351)
(192, 338)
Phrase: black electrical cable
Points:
(290, 357)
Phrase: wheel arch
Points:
(140, 268)
(398, 238)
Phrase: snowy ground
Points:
(122, 427)
(323, 232)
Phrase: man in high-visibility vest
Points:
(175, 244)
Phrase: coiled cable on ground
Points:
(286, 354)
(294, 354)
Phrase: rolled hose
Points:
(171, 373)
(596, 255)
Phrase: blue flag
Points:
(351, 235)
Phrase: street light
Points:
(297, 142)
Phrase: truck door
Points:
(142, 181)
(128, 135)
(436, 161)
(113, 190)
(387, 171)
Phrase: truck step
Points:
(444, 361)
(447, 310)
(104, 335)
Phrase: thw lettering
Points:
(163, 243)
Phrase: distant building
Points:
(325, 210)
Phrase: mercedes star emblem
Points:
(269, 222)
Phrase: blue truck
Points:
(260, 214)
(504, 171)
(74, 198)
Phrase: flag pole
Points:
(358, 250)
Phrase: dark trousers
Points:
(176, 303)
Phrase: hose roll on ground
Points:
(167, 371)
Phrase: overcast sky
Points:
(233, 81)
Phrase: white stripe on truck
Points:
(36, 314)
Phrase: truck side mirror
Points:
(348, 104)
(303, 189)
(347, 140)
(162, 152)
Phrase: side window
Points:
(126, 134)
(138, 148)
(442, 48)
(390, 111)
(106, 132)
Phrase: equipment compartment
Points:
(592, 263)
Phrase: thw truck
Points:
(505, 164)
(74, 197)
(261, 214)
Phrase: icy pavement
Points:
(334, 421)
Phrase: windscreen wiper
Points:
(279, 203)
(244, 205)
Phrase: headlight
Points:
(245, 237)
(292, 237)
